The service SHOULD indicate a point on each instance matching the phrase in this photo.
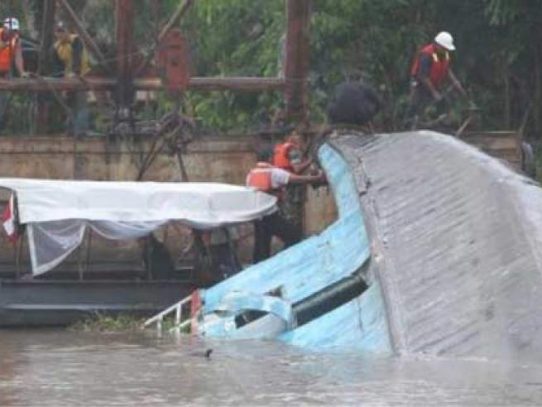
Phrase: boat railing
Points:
(183, 314)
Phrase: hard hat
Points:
(60, 27)
(445, 40)
(11, 23)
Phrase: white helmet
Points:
(11, 23)
(445, 40)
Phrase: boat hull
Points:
(60, 303)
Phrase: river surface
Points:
(64, 368)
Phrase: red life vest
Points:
(7, 51)
(439, 67)
(280, 156)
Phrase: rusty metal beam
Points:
(297, 58)
(175, 18)
(124, 16)
(44, 60)
(87, 39)
(47, 35)
(242, 84)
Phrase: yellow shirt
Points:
(64, 50)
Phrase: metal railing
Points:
(178, 322)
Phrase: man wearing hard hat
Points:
(430, 70)
(70, 60)
(10, 51)
(10, 47)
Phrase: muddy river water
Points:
(64, 368)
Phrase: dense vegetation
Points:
(498, 58)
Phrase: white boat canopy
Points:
(57, 212)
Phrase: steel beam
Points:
(47, 35)
(297, 58)
(124, 14)
(242, 84)
(173, 21)
(175, 18)
(44, 60)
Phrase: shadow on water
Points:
(63, 368)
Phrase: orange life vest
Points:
(260, 178)
(7, 51)
(280, 156)
(439, 67)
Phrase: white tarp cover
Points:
(57, 212)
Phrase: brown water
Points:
(61, 368)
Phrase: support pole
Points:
(44, 60)
(124, 15)
(297, 58)
(47, 33)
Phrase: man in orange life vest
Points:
(10, 52)
(288, 156)
(430, 70)
(274, 180)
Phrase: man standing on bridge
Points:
(70, 60)
(429, 71)
(288, 156)
(10, 54)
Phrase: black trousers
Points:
(419, 99)
(269, 226)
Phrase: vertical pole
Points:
(178, 315)
(44, 61)
(124, 34)
(47, 32)
(297, 58)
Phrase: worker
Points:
(288, 156)
(273, 180)
(223, 250)
(11, 53)
(216, 254)
(429, 72)
(70, 60)
(354, 103)
(157, 260)
(10, 48)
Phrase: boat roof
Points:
(198, 204)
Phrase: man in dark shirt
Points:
(354, 103)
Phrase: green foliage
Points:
(108, 323)
(498, 58)
(234, 38)
(502, 12)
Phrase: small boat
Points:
(54, 216)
